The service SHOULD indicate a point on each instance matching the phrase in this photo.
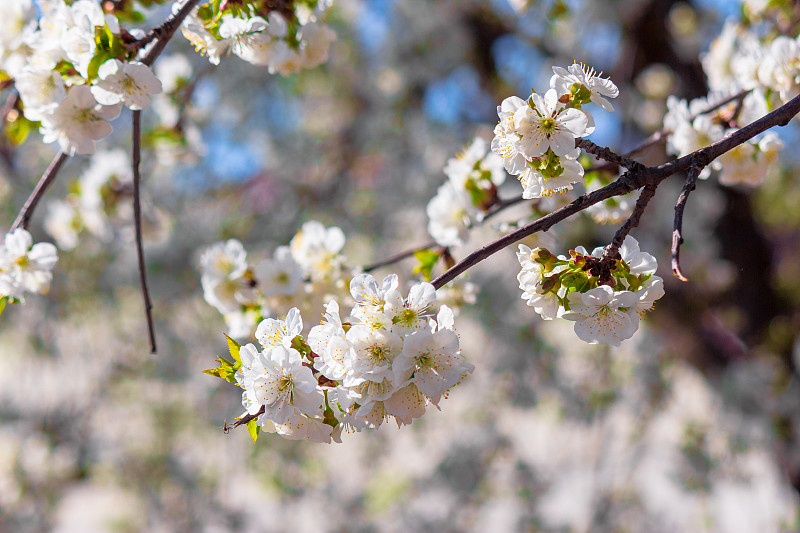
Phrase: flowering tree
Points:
(390, 347)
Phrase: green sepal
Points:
(427, 260)
(253, 429)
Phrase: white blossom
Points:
(24, 266)
(280, 275)
(603, 316)
(272, 332)
(600, 88)
(78, 121)
(127, 83)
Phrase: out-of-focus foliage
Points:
(693, 425)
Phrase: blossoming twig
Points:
(629, 181)
(137, 219)
(677, 236)
(167, 29)
(24, 216)
(661, 134)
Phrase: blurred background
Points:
(692, 425)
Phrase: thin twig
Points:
(641, 204)
(24, 216)
(137, 220)
(247, 418)
(632, 179)
(498, 207)
(677, 233)
(399, 256)
(601, 152)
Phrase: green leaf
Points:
(427, 260)
(100, 57)
(254, 429)
(233, 347)
(3, 302)
(19, 129)
(300, 344)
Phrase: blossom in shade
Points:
(24, 266)
(78, 121)
(602, 315)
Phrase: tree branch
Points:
(677, 235)
(601, 152)
(164, 32)
(634, 178)
(137, 220)
(24, 216)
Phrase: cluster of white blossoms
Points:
(300, 274)
(391, 358)
(741, 58)
(691, 128)
(536, 138)
(74, 67)
(471, 188)
(305, 274)
(66, 64)
(284, 42)
(604, 297)
(24, 266)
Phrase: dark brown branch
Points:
(677, 233)
(601, 152)
(164, 32)
(137, 221)
(632, 179)
(661, 134)
(24, 216)
(641, 204)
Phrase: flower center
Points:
(548, 125)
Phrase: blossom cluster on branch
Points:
(604, 296)
(286, 41)
(390, 359)
(536, 138)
